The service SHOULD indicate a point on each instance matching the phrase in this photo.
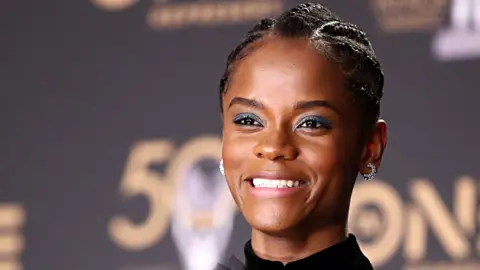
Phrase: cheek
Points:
(323, 156)
(331, 162)
(235, 151)
(329, 158)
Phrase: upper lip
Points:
(275, 176)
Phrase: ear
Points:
(375, 145)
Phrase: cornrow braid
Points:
(239, 52)
(337, 40)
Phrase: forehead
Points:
(287, 69)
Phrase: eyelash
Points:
(243, 117)
(309, 122)
(317, 123)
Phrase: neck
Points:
(292, 247)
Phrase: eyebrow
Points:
(246, 102)
(315, 104)
(302, 105)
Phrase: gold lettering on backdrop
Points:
(465, 204)
(210, 13)
(138, 179)
(450, 233)
(388, 201)
(171, 14)
(12, 219)
(114, 5)
(409, 15)
(411, 222)
(415, 240)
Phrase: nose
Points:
(276, 146)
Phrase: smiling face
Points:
(288, 116)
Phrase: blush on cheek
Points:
(234, 154)
(235, 157)
(323, 159)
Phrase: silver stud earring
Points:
(372, 174)
(220, 167)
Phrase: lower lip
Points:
(273, 192)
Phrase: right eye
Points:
(247, 119)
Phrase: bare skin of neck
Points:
(294, 246)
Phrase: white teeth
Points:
(270, 183)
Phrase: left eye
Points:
(314, 123)
(310, 124)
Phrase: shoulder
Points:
(221, 267)
(232, 264)
(359, 260)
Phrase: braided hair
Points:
(337, 40)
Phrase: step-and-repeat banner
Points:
(110, 137)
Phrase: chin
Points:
(274, 218)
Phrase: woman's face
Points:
(292, 129)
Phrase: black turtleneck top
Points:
(344, 255)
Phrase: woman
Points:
(300, 103)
